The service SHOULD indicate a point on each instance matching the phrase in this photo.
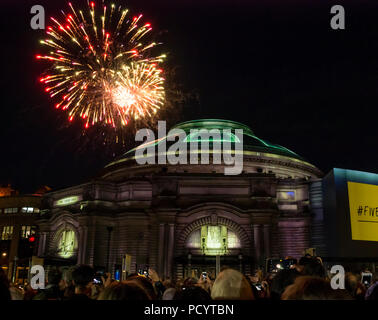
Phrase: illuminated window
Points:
(7, 233)
(67, 201)
(10, 210)
(67, 243)
(232, 240)
(213, 240)
(27, 210)
(194, 240)
(214, 237)
(26, 231)
(210, 137)
(286, 195)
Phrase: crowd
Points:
(306, 280)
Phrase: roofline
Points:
(235, 123)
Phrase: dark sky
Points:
(278, 68)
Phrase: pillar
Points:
(42, 244)
(161, 250)
(267, 241)
(257, 241)
(82, 248)
(171, 242)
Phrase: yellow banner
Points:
(363, 205)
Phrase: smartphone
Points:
(97, 281)
(117, 275)
(97, 278)
(274, 265)
(288, 263)
(366, 278)
(204, 275)
(143, 272)
(258, 286)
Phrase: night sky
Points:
(278, 68)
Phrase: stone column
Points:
(257, 241)
(82, 248)
(161, 250)
(42, 244)
(171, 242)
(91, 242)
(266, 241)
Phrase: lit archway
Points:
(213, 240)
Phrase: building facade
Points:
(18, 230)
(180, 218)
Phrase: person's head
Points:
(124, 290)
(189, 282)
(54, 276)
(169, 283)
(179, 283)
(82, 276)
(312, 266)
(145, 284)
(169, 294)
(256, 293)
(231, 285)
(282, 279)
(313, 288)
(192, 293)
(3, 278)
(374, 294)
(351, 283)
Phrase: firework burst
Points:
(102, 68)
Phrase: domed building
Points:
(181, 218)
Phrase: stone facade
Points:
(149, 211)
(18, 215)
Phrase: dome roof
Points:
(252, 145)
(250, 141)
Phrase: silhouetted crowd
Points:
(306, 280)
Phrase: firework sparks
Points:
(102, 68)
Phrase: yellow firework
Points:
(102, 66)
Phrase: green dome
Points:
(250, 141)
(252, 145)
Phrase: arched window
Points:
(213, 240)
(67, 243)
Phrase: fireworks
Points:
(102, 67)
